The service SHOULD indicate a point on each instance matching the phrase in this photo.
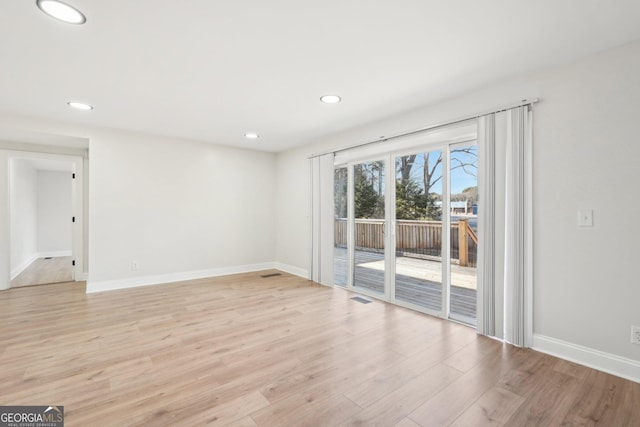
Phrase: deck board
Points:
(418, 285)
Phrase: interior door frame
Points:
(78, 202)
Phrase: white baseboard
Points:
(54, 254)
(132, 282)
(605, 362)
(19, 269)
(296, 271)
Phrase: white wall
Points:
(586, 151)
(24, 215)
(179, 209)
(176, 208)
(5, 216)
(55, 210)
(292, 222)
(586, 157)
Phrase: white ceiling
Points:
(210, 70)
(39, 138)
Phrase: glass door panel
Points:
(418, 234)
(369, 223)
(464, 232)
(340, 227)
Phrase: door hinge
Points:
(73, 176)
(73, 219)
(73, 262)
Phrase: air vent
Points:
(362, 300)
(266, 276)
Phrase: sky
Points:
(461, 178)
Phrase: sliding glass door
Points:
(405, 228)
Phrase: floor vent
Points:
(266, 276)
(362, 300)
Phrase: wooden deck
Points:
(417, 280)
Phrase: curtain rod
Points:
(432, 127)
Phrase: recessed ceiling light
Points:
(61, 11)
(330, 99)
(251, 135)
(80, 105)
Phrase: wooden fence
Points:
(419, 239)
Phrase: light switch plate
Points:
(585, 218)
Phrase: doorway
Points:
(42, 219)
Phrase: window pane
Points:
(369, 209)
(419, 229)
(464, 232)
(340, 231)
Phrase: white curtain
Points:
(321, 217)
(505, 184)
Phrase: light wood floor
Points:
(248, 351)
(43, 271)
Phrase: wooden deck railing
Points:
(418, 239)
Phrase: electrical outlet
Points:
(635, 335)
(134, 265)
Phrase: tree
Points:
(410, 200)
(368, 200)
(413, 204)
(406, 163)
(471, 194)
(365, 199)
(433, 212)
(340, 192)
(464, 157)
